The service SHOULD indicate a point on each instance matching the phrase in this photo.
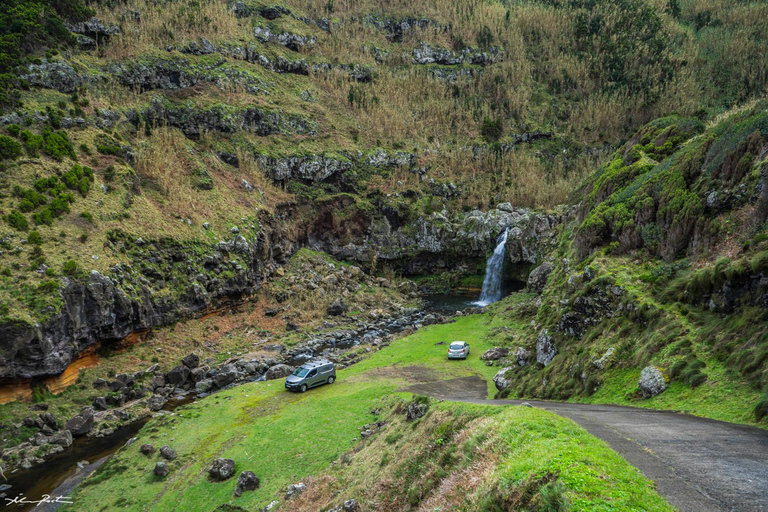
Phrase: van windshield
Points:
(300, 372)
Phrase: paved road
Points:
(698, 465)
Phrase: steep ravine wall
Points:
(168, 281)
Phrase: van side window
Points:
(312, 373)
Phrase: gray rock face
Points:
(311, 168)
(162, 469)
(222, 469)
(81, 424)
(500, 379)
(247, 481)
(396, 28)
(225, 119)
(95, 29)
(538, 278)
(291, 41)
(494, 354)
(57, 75)
(439, 241)
(167, 452)
(279, 371)
(652, 382)
(96, 309)
(545, 348)
(427, 54)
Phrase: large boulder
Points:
(279, 371)
(147, 449)
(191, 361)
(178, 375)
(226, 375)
(537, 279)
(545, 348)
(522, 356)
(247, 481)
(336, 308)
(500, 379)
(82, 423)
(221, 469)
(100, 403)
(62, 438)
(167, 452)
(494, 354)
(161, 469)
(652, 382)
(155, 402)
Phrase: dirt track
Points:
(698, 465)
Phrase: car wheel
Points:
(330, 380)
(303, 388)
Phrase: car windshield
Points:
(457, 346)
(300, 372)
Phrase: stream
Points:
(60, 473)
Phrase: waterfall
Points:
(493, 273)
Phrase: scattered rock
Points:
(221, 469)
(178, 375)
(155, 402)
(522, 356)
(494, 354)
(545, 348)
(537, 279)
(62, 438)
(81, 424)
(337, 307)
(416, 410)
(652, 382)
(226, 375)
(161, 469)
(294, 490)
(500, 379)
(147, 449)
(290, 326)
(247, 481)
(601, 363)
(100, 403)
(167, 452)
(191, 361)
(279, 371)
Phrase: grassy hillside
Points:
(472, 105)
(664, 264)
(514, 455)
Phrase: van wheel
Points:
(330, 380)
(303, 388)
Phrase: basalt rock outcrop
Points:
(107, 308)
(440, 241)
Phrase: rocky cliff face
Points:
(441, 241)
(166, 282)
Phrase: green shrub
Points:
(34, 238)
(761, 408)
(57, 144)
(87, 216)
(14, 129)
(70, 268)
(491, 129)
(17, 220)
(32, 143)
(9, 148)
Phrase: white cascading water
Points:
(494, 273)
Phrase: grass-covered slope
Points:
(512, 456)
(665, 265)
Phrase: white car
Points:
(458, 350)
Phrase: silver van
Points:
(311, 374)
